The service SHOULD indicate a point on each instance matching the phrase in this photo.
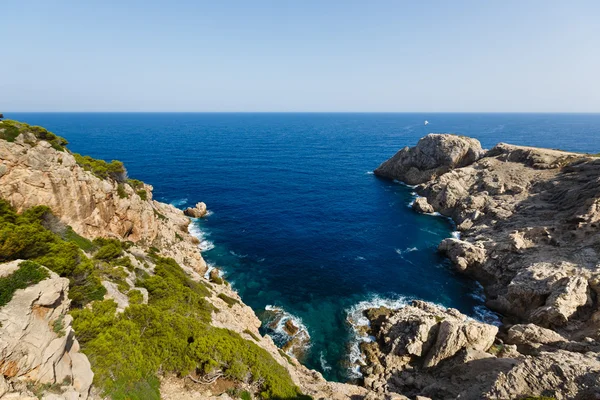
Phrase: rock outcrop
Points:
(33, 173)
(530, 221)
(37, 342)
(198, 211)
(434, 155)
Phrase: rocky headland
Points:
(529, 220)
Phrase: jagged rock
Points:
(462, 253)
(530, 223)
(530, 333)
(422, 205)
(198, 211)
(37, 342)
(434, 155)
(424, 334)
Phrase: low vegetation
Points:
(10, 129)
(102, 169)
(24, 236)
(229, 300)
(172, 333)
(28, 273)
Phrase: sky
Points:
(283, 55)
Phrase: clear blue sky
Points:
(281, 55)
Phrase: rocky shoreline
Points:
(529, 222)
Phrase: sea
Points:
(297, 220)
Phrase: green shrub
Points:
(109, 249)
(170, 334)
(123, 262)
(71, 236)
(121, 191)
(28, 273)
(10, 129)
(135, 297)
(143, 194)
(252, 335)
(229, 300)
(58, 326)
(103, 170)
(135, 184)
(245, 395)
(25, 237)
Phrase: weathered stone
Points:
(198, 211)
(421, 205)
(434, 155)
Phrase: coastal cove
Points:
(297, 220)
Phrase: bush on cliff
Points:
(170, 334)
(102, 169)
(10, 129)
(29, 273)
(23, 236)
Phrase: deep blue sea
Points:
(297, 219)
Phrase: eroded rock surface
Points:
(434, 155)
(530, 221)
(33, 173)
(37, 342)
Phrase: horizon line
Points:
(300, 112)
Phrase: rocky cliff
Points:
(529, 227)
(33, 172)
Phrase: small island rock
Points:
(198, 211)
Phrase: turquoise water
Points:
(297, 219)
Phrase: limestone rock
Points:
(422, 205)
(37, 342)
(198, 211)
(37, 174)
(462, 253)
(434, 155)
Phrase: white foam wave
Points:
(324, 365)
(369, 173)
(360, 258)
(484, 314)
(279, 333)
(405, 184)
(205, 244)
(356, 319)
(456, 235)
(209, 267)
(409, 250)
(233, 253)
(208, 213)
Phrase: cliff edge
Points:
(529, 223)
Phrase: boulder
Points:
(422, 205)
(198, 211)
(463, 254)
